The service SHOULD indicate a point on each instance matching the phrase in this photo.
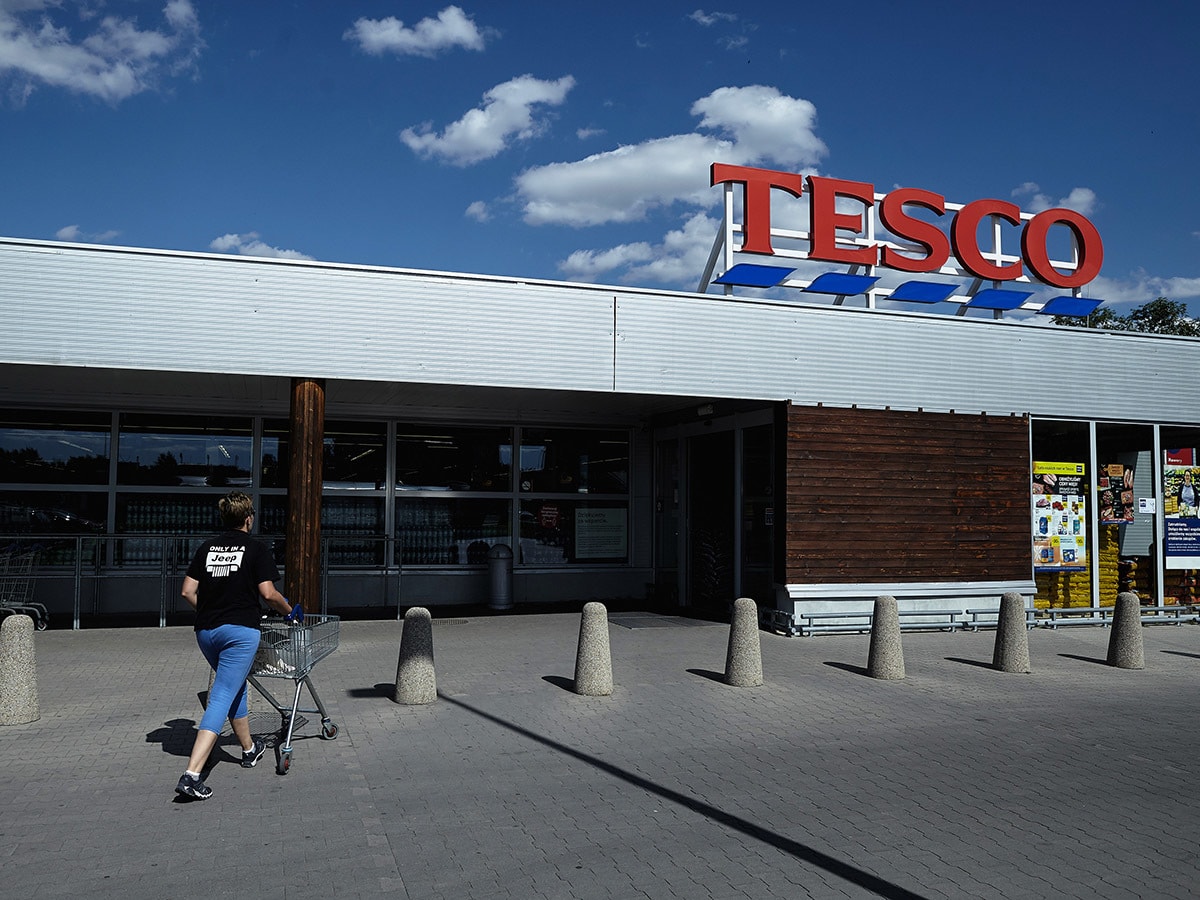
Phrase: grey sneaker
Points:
(190, 786)
(254, 754)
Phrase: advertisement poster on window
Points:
(1059, 516)
(1181, 509)
(600, 533)
(1114, 492)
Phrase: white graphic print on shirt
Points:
(222, 562)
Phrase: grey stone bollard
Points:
(1012, 635)
(1125, 643)
(18, 672)
(743, 660)
(416, 682)
(885, 659)
(593, 660)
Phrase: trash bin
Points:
(500, 567)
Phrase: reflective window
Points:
(54, 448)
(192, 451)
(352, 528)
(450, 531)
(563, 531)
(575, 461)
(441, 458)
(355, 455)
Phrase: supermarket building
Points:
(669, 450)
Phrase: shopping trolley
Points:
(16, 587)
(290, 650)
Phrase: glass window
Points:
(564, 531)
(54, 448)
(450, 531)
(575, 461)
(438, 458)
(351, 528)
(198, 451)
(53, 520)
(355, 455)
(52, 512)
(1060, 486)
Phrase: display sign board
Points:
(600, 533)
(1114, 492)
(1059, 506)
(1181, 509)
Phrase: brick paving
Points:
(1078, 780)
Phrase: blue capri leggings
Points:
(230, 650)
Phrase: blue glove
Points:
(296, 615)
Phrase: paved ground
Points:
(1078, 780)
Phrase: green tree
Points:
(1158, 316)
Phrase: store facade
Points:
(664, 450)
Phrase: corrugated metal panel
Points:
(840, 356)
(174, 312)
(67, 305)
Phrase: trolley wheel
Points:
(42, 624)
(285, 762)
(329, 731)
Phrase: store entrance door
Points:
(710, 523)
(715, 512)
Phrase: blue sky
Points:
(572, 141)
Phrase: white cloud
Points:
(484, 132)
(249, 244)
(478, 211)
(678, 260)
(1141, 287)
(700, 17)
(590, 265)
(752, 125)
(116, 60)
(429, 37)
(76, 234)
(1082, 200)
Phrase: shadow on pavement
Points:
(830, 864)
(847, 667)
(1091, 659)
(970, 662)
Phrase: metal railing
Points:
(81, 567)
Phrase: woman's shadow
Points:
(175, 735)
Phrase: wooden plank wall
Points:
(885, 496)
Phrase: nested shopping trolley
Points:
(290, 650)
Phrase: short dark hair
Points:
(235, 507)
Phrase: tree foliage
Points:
(1158, 316)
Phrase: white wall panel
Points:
(878, 358)
(94, 307)
(79, 306)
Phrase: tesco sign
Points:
(895, 213)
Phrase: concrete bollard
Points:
(1012, 635)
(1125, 642)
(416, 682)
(593, 660)
(743, 660)
(885, 659)
(18, 672)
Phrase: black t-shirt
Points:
(230, 568)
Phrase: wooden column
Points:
(306, 441)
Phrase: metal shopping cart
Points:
(16, 586)
(290, 650)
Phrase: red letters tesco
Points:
(826, 221)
